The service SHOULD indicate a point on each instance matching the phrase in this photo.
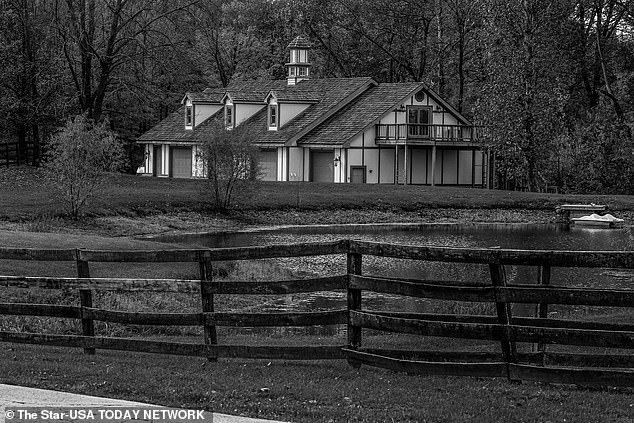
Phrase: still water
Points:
(513, 236)
(519, 236)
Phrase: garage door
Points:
(182, 162)
(322, 166)
(268, 165)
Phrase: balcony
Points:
(425, 134)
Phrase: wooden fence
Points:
(612, 368)
(11, 153)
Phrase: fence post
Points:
(354, 303)
(85, 299)
(498, 279)
(543, 279)
(207, 301)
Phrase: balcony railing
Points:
(425, 133)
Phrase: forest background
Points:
(550, 82)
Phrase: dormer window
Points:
(189, 116)
(273, 116)
(229, 115)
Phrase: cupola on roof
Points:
(298, 67)
(300, 42)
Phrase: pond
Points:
(515, 236)
(520, 236)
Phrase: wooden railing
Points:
(413, 133)
(613, 367)
(11, 153)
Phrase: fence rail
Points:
(502, 329)
(13, 153)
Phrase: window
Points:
(273, 116)
(303, 71)
(291, 70)
(418, 122)
(229, 115)
(189, 115)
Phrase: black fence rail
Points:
(613, 367)
(15, 153)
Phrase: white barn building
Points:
(340, 130)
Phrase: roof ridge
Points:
(369, 82)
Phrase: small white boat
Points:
(597, 221)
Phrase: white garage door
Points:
(322, 166)
(268, 165)
(182, 162)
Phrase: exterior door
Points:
(418, 120)
(268, 165)
(182, 162)
(322, 166)
(157, 161)
(357, 174)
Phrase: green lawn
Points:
(25, 194)
(307, 391)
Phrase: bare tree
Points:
(100, 36)
(230, 163)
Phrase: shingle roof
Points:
(261, 85)
(365, 110)
(334, 93)
(327, 95)
(341, 108)
(296, 96)
(212, 95)
(300, 42)
(252, 91)
(172, 128)
(247, 96)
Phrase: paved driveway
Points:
(18, 396)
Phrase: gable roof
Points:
(172, 128)
(338, 110)
(335, 93)
(251, 91)
(446, 105)
(359, 114)
(289, 96)
(299, 42)
(209, 95)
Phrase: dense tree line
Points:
(552, 83)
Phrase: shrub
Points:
(79, 159)
(230, 163)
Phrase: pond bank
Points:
(196, 222)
